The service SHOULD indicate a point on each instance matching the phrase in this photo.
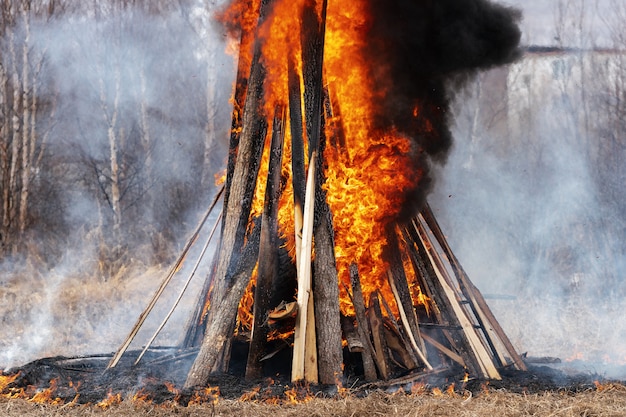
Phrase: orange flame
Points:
(368, 176)
(110, 400)
(207, 395)
(5, 380)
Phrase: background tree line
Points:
(111, 126)
(114, 118)
(533, 195)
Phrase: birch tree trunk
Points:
(28, 126)
(111, 121)
(209, 142)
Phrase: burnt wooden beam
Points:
(363, 326)
(313, 30)
(246, 168)
(223, 313)
(381, 353)
(297, 149)
(236, 217)
(267, 268)
(313, 26)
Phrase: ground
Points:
(603, 400)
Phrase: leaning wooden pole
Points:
(267, 269)
(246, 46)
(325, 278)
(144, 315)
(237, 212)
(313, 27)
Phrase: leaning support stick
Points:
(144, 315)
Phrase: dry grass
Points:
(609, 400)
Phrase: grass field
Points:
(604, 400)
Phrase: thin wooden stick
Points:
(182, 291)
(144, 315)
(268, 252)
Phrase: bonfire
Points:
(330, 258)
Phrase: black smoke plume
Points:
(421, 51)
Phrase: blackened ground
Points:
(162, 368)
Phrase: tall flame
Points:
(368, 176)
(367, 180)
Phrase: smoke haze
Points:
(524, 205)
(158, 84)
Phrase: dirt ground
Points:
(604, 400)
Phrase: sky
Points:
(539, 18)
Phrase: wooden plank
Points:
(311, 373)
(304, 277)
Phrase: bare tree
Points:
(22, 136)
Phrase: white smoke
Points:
(91, 65)
(520, 201)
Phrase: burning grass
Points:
(602, 400)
